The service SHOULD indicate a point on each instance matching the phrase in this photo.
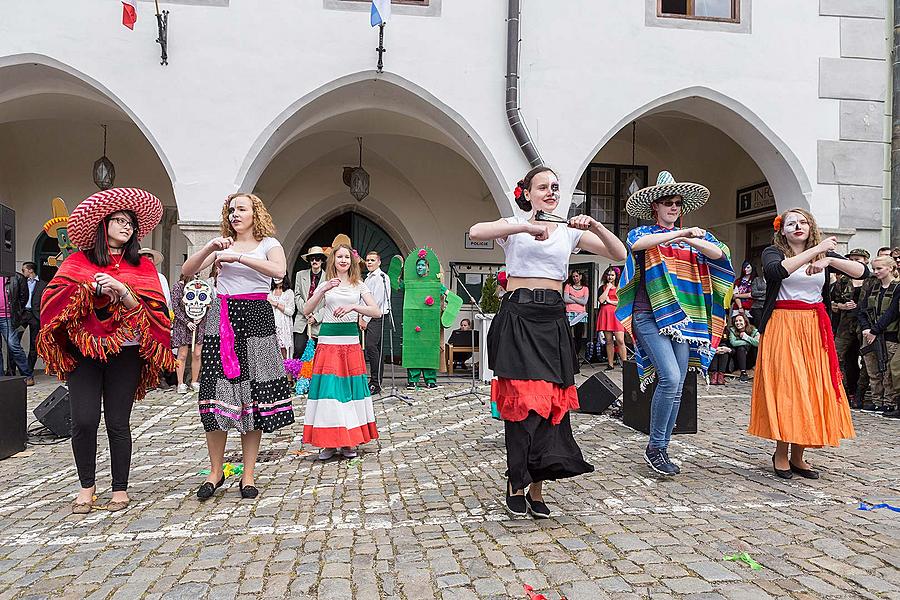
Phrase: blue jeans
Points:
(14, 344)
(671, 361)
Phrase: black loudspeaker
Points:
(13, 415)
(55, 414)
(597, 394)
(7, 241)
(636, 404)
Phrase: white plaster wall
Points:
(586, 66)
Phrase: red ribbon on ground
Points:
(824, 332)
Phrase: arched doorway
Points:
(366, 236)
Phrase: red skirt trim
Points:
(339, 437)
(515, 398)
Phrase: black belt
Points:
(538, 296)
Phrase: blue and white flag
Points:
(381, 12)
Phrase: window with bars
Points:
(711, 10)
(603, 191)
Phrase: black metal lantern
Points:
(359, 178)
(104, 171)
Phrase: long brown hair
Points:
(814, 239)
(353, 274)
(262, 220)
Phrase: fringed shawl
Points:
(71, 315)
(689, 294)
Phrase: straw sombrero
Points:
(313, 251)
(84, 219)
(694, 195)
(156, 254)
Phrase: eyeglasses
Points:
(316, 259)
(671, 203)
(122, 222)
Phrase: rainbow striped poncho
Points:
(689, 294)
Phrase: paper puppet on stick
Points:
(423, 312)
(57, 228)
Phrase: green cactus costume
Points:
(422, 316)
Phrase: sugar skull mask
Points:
(196, 298)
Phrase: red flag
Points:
(129, 13)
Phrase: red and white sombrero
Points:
(82, 227)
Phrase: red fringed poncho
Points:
(72, 316)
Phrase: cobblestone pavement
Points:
(421, 515)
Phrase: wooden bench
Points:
(451, 352)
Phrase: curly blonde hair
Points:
(262, 220)
(353, 274)
(814, 239)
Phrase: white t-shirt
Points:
(340, 296)
(800, 286)
(527, 257)
(235, 278)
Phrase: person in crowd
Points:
(758, 295)
(379, 285)
(464, 336)
(607, 323)
(156, 257)
(672, 300)
(742, 297)
(243, 384)
(13, 297)
(873, 306)
(105, 330)
(743, 339)
(719, 365)
(845, 298)
(306, 327)
(576, 296)
(895, 254)
(864, 384)
(339, 411)
(283, 306)
(798, 399)
(529, 343)
(31, 311)
(183, 333)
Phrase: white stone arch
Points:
(781, 167)
(387, 91)
(111, 98)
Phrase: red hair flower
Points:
(423, 253)
(777, 223)
(517, 192)
(429, 300)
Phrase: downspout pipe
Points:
(513, 110)
(895, 130)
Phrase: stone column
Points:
(198, 233)
(843, 235)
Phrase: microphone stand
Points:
(473, 390)
(393, 392)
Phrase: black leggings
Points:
(115, 382)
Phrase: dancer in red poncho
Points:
(105, 329)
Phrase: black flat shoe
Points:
(805, 473)
(610, 368)
(515, 504)
(206, 491)
(537, 508)
(247, 491)
(783, 473)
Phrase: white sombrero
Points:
(694, 195)
(156, 254)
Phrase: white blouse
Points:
(527, 257)
(340, 296)
(800, 286)
(235, 278)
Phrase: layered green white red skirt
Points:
(339, 408)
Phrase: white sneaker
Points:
(195, 386)
(348, 452)
(327, 453)
(182, 388)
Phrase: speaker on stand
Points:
(13, 412)
(636, 404)
(7, 241)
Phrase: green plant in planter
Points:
(490, 303)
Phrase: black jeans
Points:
(719, 363)
(374, 334)
(740, 357)
(113, 383)
(31, 322)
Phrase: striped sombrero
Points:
(93, 209)
(694, 195)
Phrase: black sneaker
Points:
(410, 386)
(870, 407)
(893, 413)
(665, 453)
(744, 377)
(515, 504)
(431, 385)
(656, 458)
(537, 508)
(374, 389)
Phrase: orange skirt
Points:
(794, 399)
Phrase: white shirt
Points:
(527, 257)
(800, 286)
(235, 278)
(379, 285)
(340, 296)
